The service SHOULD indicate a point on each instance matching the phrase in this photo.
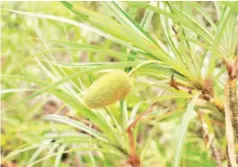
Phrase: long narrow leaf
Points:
(187, 117)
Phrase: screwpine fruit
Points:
(108, 89)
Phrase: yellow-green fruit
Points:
(107, 89)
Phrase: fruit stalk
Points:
(134, 159)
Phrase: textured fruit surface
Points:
(107, 89)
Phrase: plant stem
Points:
(233, 105)
(209, 139)
(229, 131)
(134, 159)
(231, 93)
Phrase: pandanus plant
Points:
(182, 61)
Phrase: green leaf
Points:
(76, 124)
(187, 117)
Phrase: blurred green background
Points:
(37, 52)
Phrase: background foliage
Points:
(52, 51)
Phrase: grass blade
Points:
(75, 124)
(187, 117)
